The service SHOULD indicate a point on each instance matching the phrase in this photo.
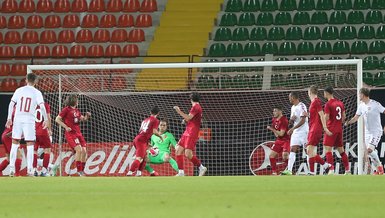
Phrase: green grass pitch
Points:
(185, 197)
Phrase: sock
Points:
(173, 164)
(375, 158)
(149, 168)
(46, 160)
(30, 155)
(273, 164)
(291, 161)
(329, 159)
(311, 164)
(83, 165)
(134, 166)
(78, 166)
(195, 161)
(345, 161)
(34, 161)
(179, 160)
(39, 162)
(142, 165)
(318, 159)
(12, 157)
(138, 173)
(3, 165)
(17, 165)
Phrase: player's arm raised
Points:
(59, 120)
(186, 117)
(85, 117)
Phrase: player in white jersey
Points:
(371, 110)
(299, 131)
(25, 100)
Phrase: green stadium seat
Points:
(317, 58)
(329, 79)
(294, 33)
(348, 32)
(323, 48)
(301, 18)
(359, 47)
(256, 81)
(361, 4)
(324, 5)
(373, 17)
(217, 50)
(228, 69)
(337, 17)
(240, 34)
(341, 47)
(377, 47)
(378, 4)
(305, 48)
(287, 48)
(288, 5)
(312, 33)
(306, 5)
(224, 81)
(246, 19)
(294, 80)
(269, 5)
(246, 69)
(312, 78)
(366, 32)
(251, 6)
(233, 6)
(270, 48)
(282, 59)
(252, 49)
(355, 17)
(276, 33)
(370, 63)
(265, 19)
(380, 32)
(381, 64)
(368, 78)
(330, 33)
(299, 59)
(210, 69)
(258, 34)
(228, 19)
(241, 81)
(234, 49)
(206, 81)
(379, 79)
(282, 18)
(343, 5)
(335, 58)
(246, 60)
(222, 34)
(277, 80)
(319, 17)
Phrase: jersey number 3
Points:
(339, 115)
(27, 104)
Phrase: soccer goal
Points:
(237, 100)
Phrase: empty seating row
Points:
(68, 36)
(11, 84)
(374, 79)
(303, 5)
(290, 48)
(302, 18)
(297, 33)
(64, 6)
(73, 21)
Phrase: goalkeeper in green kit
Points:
(160, 151)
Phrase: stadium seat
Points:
(293, 80)
(312, 33)
(323, 48)
(131, 6)
(1, 37)
(3, 22)
(305, 48)
(379, 79)
(252, 49)
(330, 33)
(282, 18)
(355, 17)
(373, 17)
(240, 34)
(370, 63)
(6, 52)
(276, 33)
(90, 21)
(301, 18)
(59, 51)
(19, 69)
(78, 51)
(41, 51)
(16, 22)
(341, 47)
(12, 37)
(48, 37)
(377, 47)
(217, 50)
(270, 48)
(288, 5)
(34, 22)
(366, 32)
(79, 6)
(294, 33)
(319, 17)
(143, 20)
(324, 5)
(240, 81)
(234, 49)
(306, 5)
(380, 32)
(23, 51)
(359, 47)
(44, 6)
(9, 6)
(337, 17)
(71, 21)
(251, 6)
(378, 4)
(84, 36)
(136, 35)
(287, 48)
(114, 6)
(361, 4)
(119, 35)
(26, 6)
(62, 6)
(9, 85)
(66, 36)
(148, 6)
(343, 5)
(258, 34)
(381, 63)
(256, 81)
(246, 19)
(23, 82)
(107, 21)
(5, 69)
(206, 81)
(52, 21)
(30, 37)
(95, 51)
(125, 20)
(228, 19)
(222, 34)
(269, 5)
(348, 32)
(265, 19)
(233, 6)
(113, 51)
(224, 81)
(96, 6)
(130, 50)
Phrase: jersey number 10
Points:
(27, 104)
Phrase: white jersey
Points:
(372, 115)
(26, 98)
(299, 111)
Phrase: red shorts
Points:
(280, 145)
(74, 139)
(188, 142)
(334, 141)
(140, 148)
(314, 138)
(7, 142)
(42, 141)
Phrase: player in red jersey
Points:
(335, 117)
(282, 144)
(189, 138)
(148, 127)
(317, 124)
(69, 118)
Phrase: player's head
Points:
(155, 110)
(312, 91)
(31, 79)
(195, 97)
(277, 111)
(163, 125)
(293, 97)
(364, 93)
(72, 100)
(328, 92)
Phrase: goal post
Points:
(237, 101)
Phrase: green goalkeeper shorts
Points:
(158, 159)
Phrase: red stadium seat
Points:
(24, 51)
(62, 6)
(125, 20)
(95, 51)
(9, 85)
(47, 84)
(59, 51)
(23, 82)
(136, 35)
(12, 37)
(52, 21)
(90, 21)
(114, 6)
(19, 69)
(96, 6)
(131, 6)
(130, 50)
(102, 35)
(9, 6)
(48, 37)
(71, 21)
(30, 37)
(143, 20)
(1, 37)
(26, 6)
(44, 6)
(79, 6)
(6, 52)
(66, 36)
(148, 6)
(41, 51)
(16, 22)
(3, 22)
(78, 51)
(107, 21)
(5, 69)
(116, 83)
(119, 35)
(113, 51)
(84, 36)
(34, 22)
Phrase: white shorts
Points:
(372, 140)
(298, 139)
(24, 130)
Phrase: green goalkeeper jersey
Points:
(168, 140)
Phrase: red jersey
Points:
(335, 108)
(71, 117)
(39, 120)
(147, 128)
(281, 124)
(193, 125)
(315, 123)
